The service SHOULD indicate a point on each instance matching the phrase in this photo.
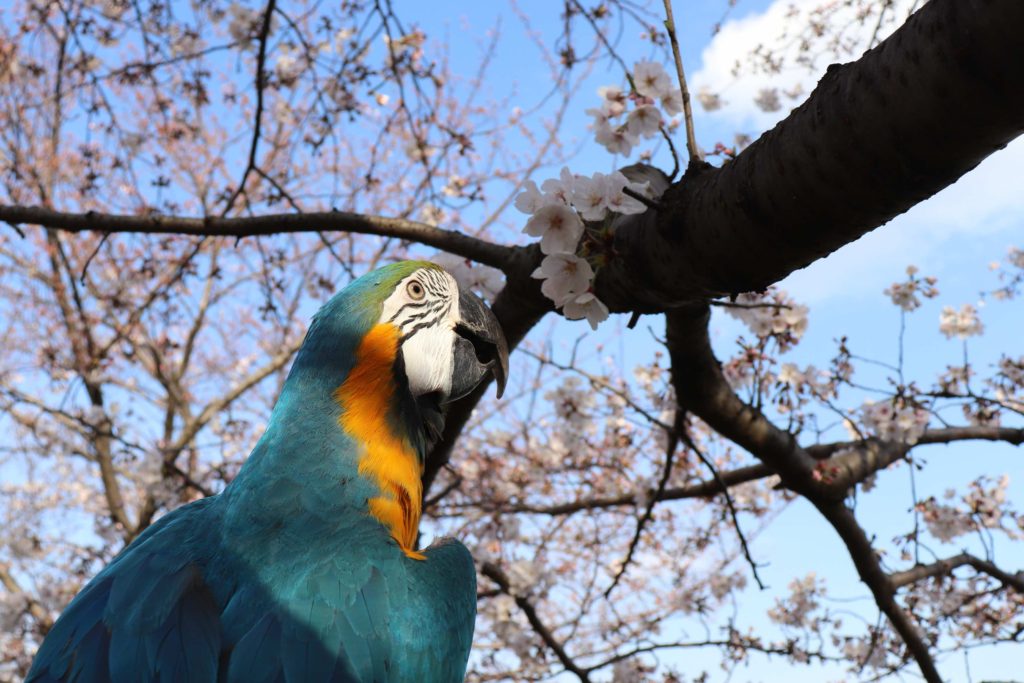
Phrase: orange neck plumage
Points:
(389, 460)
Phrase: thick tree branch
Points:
(876, 137)
(271, 224)
(854, 461)
(702, 389)
(882, 589)
(946, 566)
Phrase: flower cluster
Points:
(904, 294)
(557, 211)
(798, 609)
(895, 420)
(944, 522)
(651, 86)
(772, 315)
(963, 323)
(1012, 278)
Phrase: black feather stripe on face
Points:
(413, 316)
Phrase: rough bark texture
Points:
(876, 137)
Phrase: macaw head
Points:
(412, 321)
(448, 339)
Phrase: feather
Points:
(257, 657)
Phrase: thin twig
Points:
(261, 59)
(495, 574)
(646, 201)
(691, 136)
(670, 450)
(99, 245)
(729, 502)
(17, 229)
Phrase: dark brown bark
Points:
(876, 137)
(702, 390)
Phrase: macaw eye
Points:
(415, 290)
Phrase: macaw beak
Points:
(480, 347)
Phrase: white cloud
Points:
(987, 204)
(780, 49)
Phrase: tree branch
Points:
(702, 389)
(873, 139)
(854, 461)
(495, 574)
(702, 489)
(865, 559)
(684, 92)
(452, 241)
(946, 566)
(261, 82)
(37, 611)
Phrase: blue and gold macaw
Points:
(305, 568)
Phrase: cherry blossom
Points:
(565, 276)
(672, 102)
(558, 227)
(651, 80)
(709, 101)
(530, 199)
(587, 306)
(560, 188)
(618, 201)
(767, 100)
(772, 314)
(963, 323)
(644, 121)
(904, 294)
(616, 139)
(894, 420)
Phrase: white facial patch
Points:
(425, 307)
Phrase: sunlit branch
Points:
(458, 243)
(946, 566)
(844, 464)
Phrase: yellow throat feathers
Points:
(365, 397)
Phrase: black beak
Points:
(480, 347)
